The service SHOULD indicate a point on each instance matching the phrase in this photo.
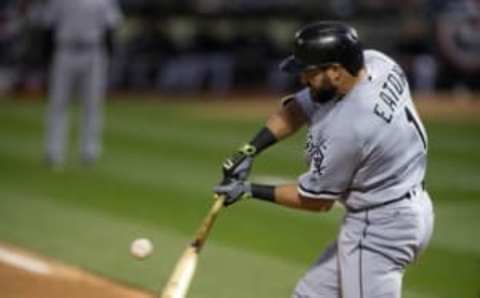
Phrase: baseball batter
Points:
(82, 35)
(366, 149)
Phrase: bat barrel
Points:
(179, 281)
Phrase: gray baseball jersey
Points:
(369, 146)
(368, 151)
(82, 21)
(80, 62)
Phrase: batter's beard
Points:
(324, 94)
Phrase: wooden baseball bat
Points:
(179, 281)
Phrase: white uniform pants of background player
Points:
(82, 70)
(372, 250)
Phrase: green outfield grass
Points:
(155, 179)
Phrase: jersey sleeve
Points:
(332, 167)
(304, 100)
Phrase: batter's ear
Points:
(287, 99)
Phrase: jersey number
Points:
(411, 118)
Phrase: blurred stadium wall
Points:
(192, 46)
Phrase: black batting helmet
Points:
(323, 43)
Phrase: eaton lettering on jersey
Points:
(390, 94)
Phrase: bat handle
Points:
(207, 224)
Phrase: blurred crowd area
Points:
(185, 46)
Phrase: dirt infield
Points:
(26, 275)
(445, 107)
(441, 107)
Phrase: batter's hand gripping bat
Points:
(179, 281)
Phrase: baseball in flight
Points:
(141, 248)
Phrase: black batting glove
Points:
(238, 166)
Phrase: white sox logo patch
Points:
(316, 153)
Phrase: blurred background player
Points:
(81, 32)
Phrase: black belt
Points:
(408, 195)
(357, 210)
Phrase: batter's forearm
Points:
(288, 196)
(262, 140)
(280, 125)
(288, 120)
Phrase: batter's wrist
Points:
(264, 139)
(263, 192)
